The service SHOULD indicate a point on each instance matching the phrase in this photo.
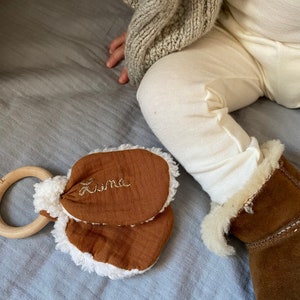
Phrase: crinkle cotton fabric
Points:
(58, 101)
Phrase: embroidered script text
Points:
(92, 187)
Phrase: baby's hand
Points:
(116, 54)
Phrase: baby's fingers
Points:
(124, 76)
(117, 42)
(116, 56)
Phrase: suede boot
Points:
(265, 215)
(272, 235)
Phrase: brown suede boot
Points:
(265, 215)
(272, 235)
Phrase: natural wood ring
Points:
(5, 183)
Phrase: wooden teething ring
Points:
(5, 183)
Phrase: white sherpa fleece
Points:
(47, 195)
(216, 224)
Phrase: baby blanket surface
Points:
(58, 102)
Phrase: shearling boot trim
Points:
(216, 224)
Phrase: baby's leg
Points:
(186, 98)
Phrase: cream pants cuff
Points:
(186, 98)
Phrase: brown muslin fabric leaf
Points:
(125, 247)
(117, 188)
(112, 213)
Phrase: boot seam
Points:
(289, 176)
(285, 232)
(216, 225)
(248, 205)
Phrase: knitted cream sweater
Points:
(160, 27)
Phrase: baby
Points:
(244, 50)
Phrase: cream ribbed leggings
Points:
(186, 98)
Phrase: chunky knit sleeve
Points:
(159, 28)
(133, 3)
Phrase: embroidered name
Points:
(92, 187)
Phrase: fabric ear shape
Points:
(112, 212)
(114, 251)
(117, 188)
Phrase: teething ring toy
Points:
(112, 211)
(8, 180)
